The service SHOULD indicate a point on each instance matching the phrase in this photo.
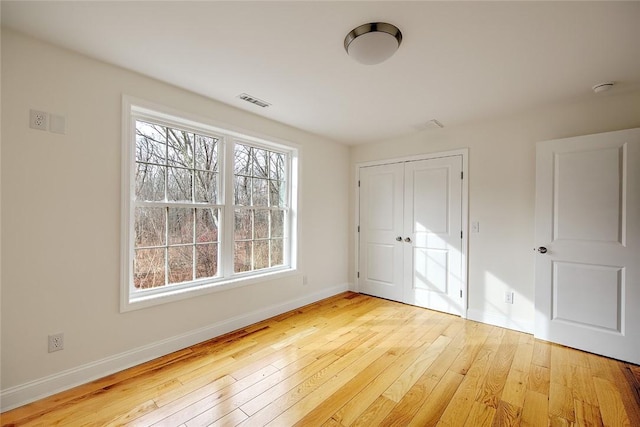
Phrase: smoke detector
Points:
(603, 87)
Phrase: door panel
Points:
(587, 294)
(433, 221)
(588, 218)
(588, 190)
(380, 260)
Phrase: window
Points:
(204, 208)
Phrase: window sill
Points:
(142, 300)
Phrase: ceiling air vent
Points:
(253, 100)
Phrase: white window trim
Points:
(131, 299)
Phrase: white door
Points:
(588, 239)
(381, 245)
(410, 233)
(433, 222)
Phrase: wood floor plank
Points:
(462, 402)
(611, 405)
(535, 412)
(430, 412)
(355, 360)
(490, 390)
(481, 415)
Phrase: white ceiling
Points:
(458, 62)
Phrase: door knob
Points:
(407, 239)
(542, 250)
(399, 239)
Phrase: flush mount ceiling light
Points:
(603, 87)
(373, 43)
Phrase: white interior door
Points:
(380, 263)
(433, 222)
(588, 221)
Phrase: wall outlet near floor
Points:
(508, 297)
(56, 342)
(305, 280)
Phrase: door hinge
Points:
(460, 293)
(461, 175)
(461, 234)
(358, 274)
(358, 183)
(358, 229)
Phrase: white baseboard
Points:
(521, 325)
(37, 389)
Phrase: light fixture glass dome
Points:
(373, 43)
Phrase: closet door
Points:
(381, 245)
(433, 223)
(410, 232)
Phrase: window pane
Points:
(276, 166)
(260, 195)
(180, 148)
(277, 252)
(242, 191)
(179, 185)
(206, 260)
(242, 257)
(242, 160)
(149, 227)
(242, 229)
(260, 163)
(277, 192)
(206, 185)
(206, 153)
(150, 143)
(180, 264)
(261, 224)
(149, 182)
(148, 268)
(207, 225)
(277, 224)
(260, 254)
(180, 225)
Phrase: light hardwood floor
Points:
(354, 360)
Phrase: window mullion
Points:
(228, 220)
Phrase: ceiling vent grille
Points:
(253, 100)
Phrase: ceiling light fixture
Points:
(603, 87)
(373, 43)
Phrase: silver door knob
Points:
(407, 239)
(542, 250)
(399, 239)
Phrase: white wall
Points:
(61, 223)
(501, 192)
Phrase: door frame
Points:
(464, 152)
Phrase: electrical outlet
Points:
(38, 120)
(56, 342)
(475, 227)
(508, 297)
(305, 280)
